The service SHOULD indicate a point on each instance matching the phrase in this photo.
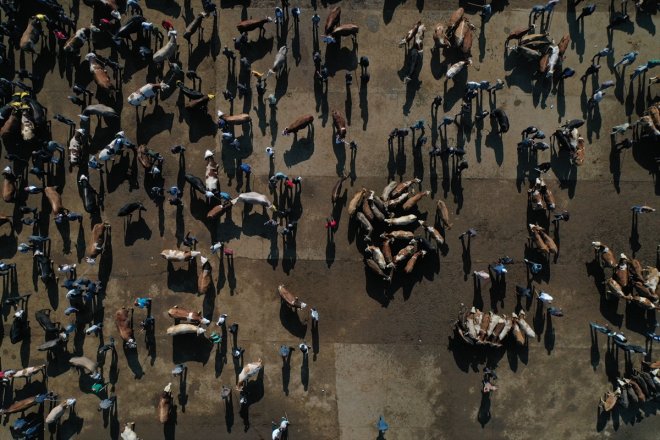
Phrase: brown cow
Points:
(606, 255)
(549, 242)
(455, 19)
(577, 156)
(181, 314)
(466, 47)
(205, 280)
(339, 123)
(12, 125)
(248, 371)
(440, 36)
(298, 124)
(146, 157)
(461, 30)
(252, 24)
(194, 25)
(165, 404)
(413, 260)
(333, 20)
(548, 197)
(9, 185)
(518, 34)
(100, 233)
(218, 210)
(32, 33)
(77, 40)
(101, 77)
(55, 200)
(345, 30)
(412, 201)
(239, 119)
(200, 103)
(123, 323)
(536, 237)
(563, 44)
(22, 405)
(443, 214)
(289, 298)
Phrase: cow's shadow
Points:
(291, 321)
(136, 230)
(301, 150)
(182, 280)
(191, 348)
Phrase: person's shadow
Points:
(466, 256)
(549, 339)
(286, 372)
(635, 245)
(183, 395)
(316, 343)
(477, 300)
(595, 352)
(484, 410)
(229, 412)
(304, 372)
(245, 415)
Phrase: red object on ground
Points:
(167, 25)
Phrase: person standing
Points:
(487, 382)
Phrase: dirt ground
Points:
(380, 349)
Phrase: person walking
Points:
(642, 209)
(469, 233)
(628, 58)
(179, 369)
(586, 11)
(602, 53)
(285, 352)
(382, 425)
(544, 297)
(533, 267)
(488, 381)
(143, 303)
(591, 70)
(567, 73)
(558, 312)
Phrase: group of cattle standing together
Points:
(638, 285)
